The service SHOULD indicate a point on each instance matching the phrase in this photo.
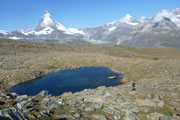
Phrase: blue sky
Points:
(18, 14)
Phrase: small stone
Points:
(109, 110)
(117, 116)
(14, 95)
(64, 117)
(45, 113)
(31, 116)
(19, 106)
(107, 94)
(165, 117)
(77, 115)
(154, 116)
(129, 117)
(99, 117)
(60, 102)
(88, 109)
(97, 106)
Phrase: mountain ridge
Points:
(158, 31)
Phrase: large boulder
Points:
(21, 98)
(12, 114)
(40, 96)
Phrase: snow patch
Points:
(60, 27)
(5, 32)
(14, 38)
(76, 31)
(28, 31)
(45, 31)
(112, 28)
(97, 41)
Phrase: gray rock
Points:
(99, 117)
(108, 110)
(12, 114)
(53, 105)
(117, 116)
(12, 95)
(43, 93)
(97, 106)
(77, 115)
(40, 96)
(69, 117)
(107, 94)
(26, 103)
(31, 116)
(129, 117)
(60, 102)
(45, 113)
(154, 116)
(88, 109)
(19, 106)
(45, 101)
(165, 117)
(21, 98)
(82, 107)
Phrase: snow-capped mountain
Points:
(162, 30)
(47, 30)
(127, 19)
(171, 15)
(47, 25)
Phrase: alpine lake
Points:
(70, 81)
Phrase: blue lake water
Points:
(69, 81)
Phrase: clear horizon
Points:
(21, 14)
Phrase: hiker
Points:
(134, 85)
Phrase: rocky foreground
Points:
(151, 101)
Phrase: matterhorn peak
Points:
(46, 21)
(46, 13)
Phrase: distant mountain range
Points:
(162, 30)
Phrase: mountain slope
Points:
(162, 30)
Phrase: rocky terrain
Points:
(151, 101)
(156, 71)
